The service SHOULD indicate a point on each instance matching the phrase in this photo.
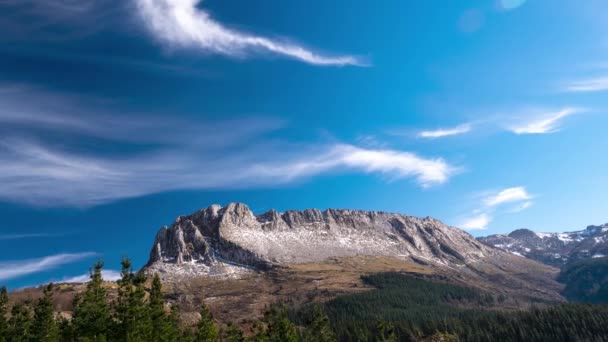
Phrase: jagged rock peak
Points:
(234, 235)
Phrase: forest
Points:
(402, 307)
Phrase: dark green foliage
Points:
(206, 330)
(278, 326)
(385, 332)
(92, 319)
(586, 281)
(426, 310)
(132, 317)
(233, 334)
(66, 330)
(44, 327)
(318, 328)
(20, 324)
(165, 327)
(3, 313)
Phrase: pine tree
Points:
(44, 326)
(91, 318)
(19, 325)
(319, 329)
(3, 313)
(132, 311)
(386, 332)
(206, 330)
(233, 334)
(164, 327)
(279, 327)
(66, 330)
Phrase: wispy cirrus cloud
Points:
(445, 132)
(181, 23)
(18, 268)
(589, 85)
(517, 197)
(155, 155)
(541, 122)
(6, 237)
(510, 195)
(479, 222)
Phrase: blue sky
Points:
(118, 116)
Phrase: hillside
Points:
(229, 257)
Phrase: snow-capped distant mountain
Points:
(554, 249)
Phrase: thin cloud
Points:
(543, 123)
(491, 204)
(182, 24)
(168, 155)
(5, 237)
(108, 275)
(479, 222)
(37, 175)
(445, 132)
(427, 172)
(510, 195)
(588, 85)
(19, 268)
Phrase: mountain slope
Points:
(232, 242)
(555, 249)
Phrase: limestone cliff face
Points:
(234, 235)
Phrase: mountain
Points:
(555, 249)
(246, 260)
(239, 263)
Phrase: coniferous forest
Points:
(400, 308)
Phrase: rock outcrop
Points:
(234, 235)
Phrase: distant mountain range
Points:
(555, 249)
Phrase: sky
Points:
(117, 116)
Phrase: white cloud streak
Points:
(5, 237)
(479, 222)
(33, 174)
(543, 123)
(180, 23)
(445, 132)
(587, 86)
(108, 275)
(19, 268)
(169, 155)
(510, 195)
(484, 215)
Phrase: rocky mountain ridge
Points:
(555, 249)
(231, 242)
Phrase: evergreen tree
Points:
(132, 311)
(44, 327)
(19, 325)
(319, 329)
(164, 327)
(386, 332)
(233, 334)
(3, 314)
(91, 318)
(206, 330)
(66, 330)
(258, 332)
(279, 327)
